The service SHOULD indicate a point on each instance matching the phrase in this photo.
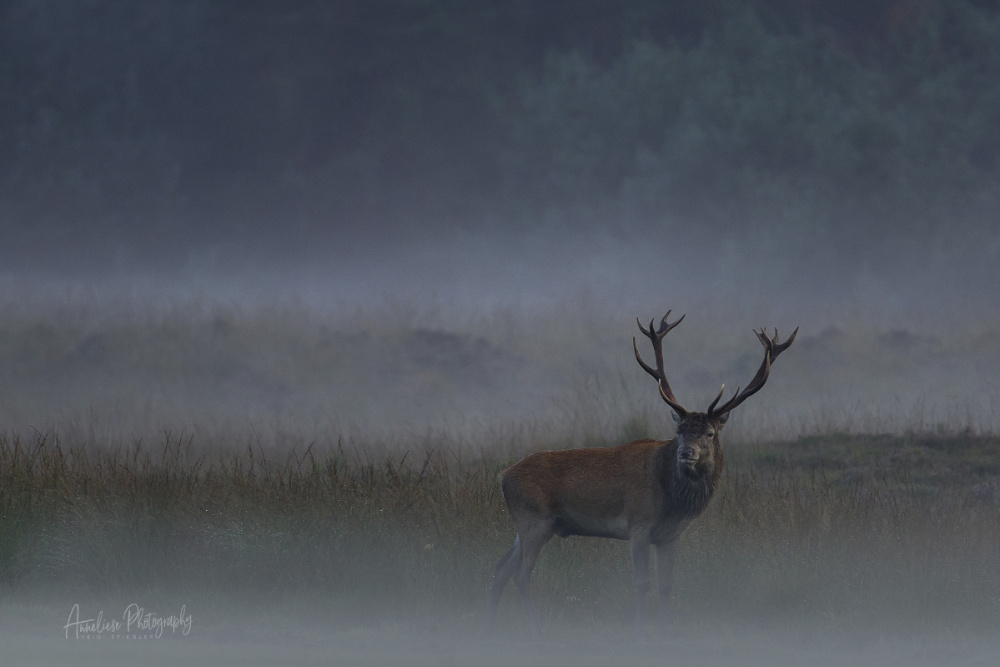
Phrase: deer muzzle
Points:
(687, 456)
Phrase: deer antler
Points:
(656, 338)
(772, 348)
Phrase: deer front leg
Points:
(640, 563)
(665, 554)
(535, 537)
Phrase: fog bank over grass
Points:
(465, 331)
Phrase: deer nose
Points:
(686, 453)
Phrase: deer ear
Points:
(677, 417)
(722, 419)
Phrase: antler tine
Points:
(655, 337)
(755, 385)
(677, 407)
(664, 327)
(778, 349)
(772, 348)
(721, 391)
(646, 367)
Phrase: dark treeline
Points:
(145, 118)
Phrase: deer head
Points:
(698, 432)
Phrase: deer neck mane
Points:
(686, 495)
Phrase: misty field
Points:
(861, 535)
(294, 478)
(105, 370)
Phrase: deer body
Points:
(646, 491)
(632, 491)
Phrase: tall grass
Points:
(894, 534)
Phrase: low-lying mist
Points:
(471, 332)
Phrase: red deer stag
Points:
(646, 491)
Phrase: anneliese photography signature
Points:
(134, 623)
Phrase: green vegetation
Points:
(884, 534)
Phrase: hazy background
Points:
(334, 215)
(303, 233)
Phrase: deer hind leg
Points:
(666, 553)
(532, 540)
(640, 563)
(504, 570)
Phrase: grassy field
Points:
(875, 535)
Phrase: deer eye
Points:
(709, 433)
